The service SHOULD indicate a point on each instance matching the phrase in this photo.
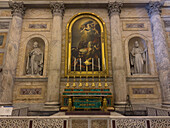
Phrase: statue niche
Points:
(35, 57)
(138, 56)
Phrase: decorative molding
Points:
(143, 91)
(57, 8)
(167, 25)
(18, 8)
(114, 8)
(139, 78)
(4, 25)
(154, 8)
(135, 26)
(30, 92)
(37, 26)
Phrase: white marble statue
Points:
(138, 58)
(35, 61)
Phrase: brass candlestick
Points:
(106, 85)
(99, 80)
(86, 76)
(80, 84)
(68, 85)
(93, 85)
(74, 84)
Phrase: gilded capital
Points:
(114, 8)
(57, 8)
(154, 8)
(17, 8)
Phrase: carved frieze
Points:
(143, 91)
(4, 25)
(135, 26)
(18, 8)
(57, 8)
(30, 92)
(37, 26)
(114, 8)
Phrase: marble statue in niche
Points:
(34, 65)
(138, 58)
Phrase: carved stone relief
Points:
(35, 57)
(138, 56)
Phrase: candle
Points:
(105, 64)
(80, 64)
(99, 63)
(75, 64)
(92, 64)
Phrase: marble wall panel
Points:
(29, 92)
(165, 12)
(133, 12)
(99, 124)
(5, 13)
(79, 123)
(38, 14)
(144, 92)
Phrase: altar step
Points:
(87, 113)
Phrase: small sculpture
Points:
(138, 58)
(35, 61)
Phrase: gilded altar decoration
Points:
(86, 46)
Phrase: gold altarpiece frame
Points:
(86, 46)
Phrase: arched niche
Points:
(137, 57)
(28, 46)
(35, 50)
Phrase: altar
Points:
(87, 99)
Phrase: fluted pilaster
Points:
(161, 49)
(118, 61)
(9, 68)
(53, 87)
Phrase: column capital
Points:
(154, 8)
(114, 8)
(57, 8)
(17, 8)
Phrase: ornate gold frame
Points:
(68, 71)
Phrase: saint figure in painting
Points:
(88, 46)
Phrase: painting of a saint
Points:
(86, 45)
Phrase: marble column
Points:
(161, 50)
(9, 67)
(53, 87)
(118, 61)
